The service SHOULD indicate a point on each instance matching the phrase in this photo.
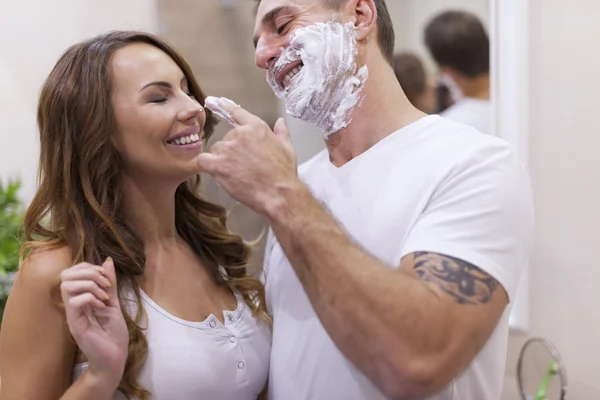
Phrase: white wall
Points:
(33, 34)
(565, 168)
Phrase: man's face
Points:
(309, 53)
(276, 22)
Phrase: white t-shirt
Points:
(202, 360)
(435, 186)
(473, 112)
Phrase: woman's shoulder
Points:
(44, 265)
(36, 346)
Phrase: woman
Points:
(153, 287)
(412, 76)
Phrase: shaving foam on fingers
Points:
(214, 104)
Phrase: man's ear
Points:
(365, 13)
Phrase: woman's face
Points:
(159, 124)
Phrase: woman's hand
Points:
(95, 319)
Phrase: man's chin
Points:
(287, 92)
(293, 109)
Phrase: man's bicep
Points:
(463, 282)
(483, 214)
(473, 298)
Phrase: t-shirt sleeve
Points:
(269, 242)
(482, 213)
(264, 274)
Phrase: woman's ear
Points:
(365, 12)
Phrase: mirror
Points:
(443, 58)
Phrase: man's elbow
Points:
(413, 379)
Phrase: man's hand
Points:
(252, 163)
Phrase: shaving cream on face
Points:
(328, 86)
(214, 105)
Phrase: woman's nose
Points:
(191, 110)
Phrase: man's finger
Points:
(281, 130)
(207, 162)
(228, 110)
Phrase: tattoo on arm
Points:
(466, 283)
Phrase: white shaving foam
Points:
(328, 87)
(214, 105)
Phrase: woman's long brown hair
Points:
(79, 188)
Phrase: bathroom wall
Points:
(565, 169)
(33, 34)
(36, 32)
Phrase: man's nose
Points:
(266, 54)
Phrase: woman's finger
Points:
(88, 273)
(74, 288)
(77, 305)
(109, 272)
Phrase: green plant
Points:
(11, 218)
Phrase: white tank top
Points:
(203, 360)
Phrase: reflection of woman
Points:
(120, 126)
(411, 74)
(443, 97)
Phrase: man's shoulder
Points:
(460, 141)
(473, 155)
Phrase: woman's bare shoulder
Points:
(44, 266)
(35, 339)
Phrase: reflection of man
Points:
(395, 252)
(460, 46)
(413, 79)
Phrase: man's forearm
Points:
(374, 314)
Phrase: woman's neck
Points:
(150, 209)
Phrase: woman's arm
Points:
(264, 395)
(38, 352)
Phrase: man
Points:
(460, 47)
(395, 252)
(413, 79)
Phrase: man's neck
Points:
(476, 88)
(383, 110)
